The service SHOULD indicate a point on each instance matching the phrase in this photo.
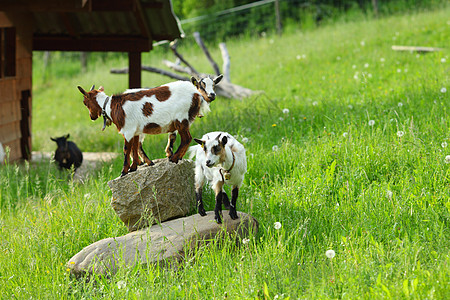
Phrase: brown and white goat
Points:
(169, 108)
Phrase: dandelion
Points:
(245, 140)
(363, 43)
(366, 65)
(399, 70)
(369, 75)
(285, 111)
(277, 225)
(315, 103)
(400, 133)
(382, 59)
(274, 148)
(354, 67)
(400, 104)
(371, 122)
(121, 284)
(350, 106)
(447, 159)
(330, 253)
(444, 144)
(443, 60)
(72, 263)
(389, 194)
(245, 241)
(298, 57)
(274, 125)
(443, 90)
(345, 134)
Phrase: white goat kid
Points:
(170, 108)
(220, 159)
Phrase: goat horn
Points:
(93, 86)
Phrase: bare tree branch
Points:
(199, 41)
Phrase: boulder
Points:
(161, 243)
(154, 194)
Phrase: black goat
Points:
(67, 153)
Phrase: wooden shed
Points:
(130, 26)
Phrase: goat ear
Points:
(67, 136)
(53, 139)
(224, 140)
(93, 87)
(194, 81)
(199, 141)
(101, 89)
(82, 90)
(218, 79)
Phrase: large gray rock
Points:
(165, 242)
(154, 194)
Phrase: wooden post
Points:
(134, 68)
(277, 14)
(25, 124)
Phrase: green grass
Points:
(376, 194)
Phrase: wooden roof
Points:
(98, 25)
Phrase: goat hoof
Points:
(218, 220)
(123, 174)
(132, 170)
(233, 215)
(201, 211)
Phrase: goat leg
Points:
(234, 195)
(134, 149)
(218, 209)
(186, 138)
(144, 155)
(170, 142)
(225, 200)
(200, 208)
(126, 161)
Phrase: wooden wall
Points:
(15, 84)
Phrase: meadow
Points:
(348, 149)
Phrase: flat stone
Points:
(154, 194)
(160, 243)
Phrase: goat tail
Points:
(192, 151)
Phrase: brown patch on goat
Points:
(152, 128)
(117, 112)
(195, 107)
(147, 110)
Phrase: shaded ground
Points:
(90, 160)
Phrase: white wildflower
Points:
(274, 148)
(447, 159)
(444, 144)
(354, 67)
(371, 122)
(366, 65)
(443, 60)
(382, 59)
(400, 104)
(245, 140)
(330, 253)
(338, 58)
(400, 133)
(315, 103)
(350, 106)
(285, 111)
(399, 70)
(389, 194)
(363, 43)
(277, 225)
(345, 134)
(245, 241)
(443, 90)
(121, 284)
